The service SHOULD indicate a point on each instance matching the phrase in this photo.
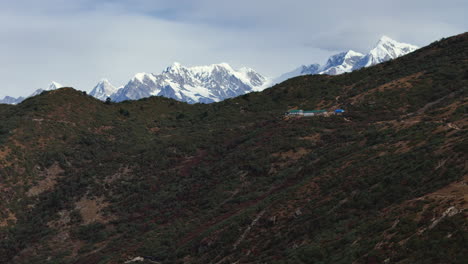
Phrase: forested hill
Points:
(83, 181)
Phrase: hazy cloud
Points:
(77, 42)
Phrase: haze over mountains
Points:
(217, 82)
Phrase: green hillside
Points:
(82, 181)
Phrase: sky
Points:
(79, 42)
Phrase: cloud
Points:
(79, 42)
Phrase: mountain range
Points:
(386, 49)
(161, 181)
(16, 100)
(201, 84)
(217, 82)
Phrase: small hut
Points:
(295, 112)
(315, 112)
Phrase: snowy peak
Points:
(341, 63)
(211, 69)
(386, 49)
(392, 47)
(389, 43)
(311, 69)
(352, 53)
(103, 90)
(252, 78)
(302, 70)
(176, 65)
(53, 86)
(224, 71)
(175, 68)
(12, 100)
(385, 39)
(143, 77)
(198, 84)
(104, 82)
(223, 67)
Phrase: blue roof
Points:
(339, 111)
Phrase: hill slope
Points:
(88, 182)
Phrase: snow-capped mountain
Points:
(52, 86)
(341, 63)
(12, 100)
(216, 82)
(103, 90)
(385, 49)
(200, 84)
(302, 70)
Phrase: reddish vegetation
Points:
(48, 182)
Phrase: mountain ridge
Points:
(16, 100)
(217, 82)
(385, 49)
(160, 180)
(198, 84)
(103, 90)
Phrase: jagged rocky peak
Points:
(389, 43)
(254, 78)
(342, 62)
(343, 57)
(106, 83)
(211, 83)
(177, 71)
(387, 46)
(12, 100)
(386, 49)
(54, 85)
(176, 67)
(216, 82)
(310, 69)
(142, 77)
(223, 67)
(103, 90)
(211, 69)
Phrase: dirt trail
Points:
(428, 105)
